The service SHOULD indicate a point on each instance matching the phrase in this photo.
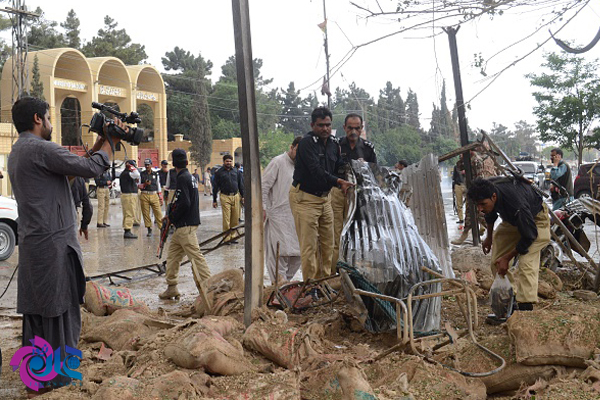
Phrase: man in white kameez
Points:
(279, 222)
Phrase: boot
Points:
(462, 238)
(129, 235)
(149, 232)
(170, 293)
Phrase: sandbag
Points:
(338, 380)
(172, 386)
(102, 300)
(275, 341)
(119, 330)
(553, 337)
(514, 376)
(200, 347)
(224, 291)
(118, 388)
(546, 290)
(550, 276)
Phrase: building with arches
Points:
(72, 82)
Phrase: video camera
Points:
(133, 137)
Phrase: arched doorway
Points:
(237, 156)
(70, 122)
(147, 115)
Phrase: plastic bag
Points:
(501, 295)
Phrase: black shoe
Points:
(460, 222)
(525, 306)
(491, 319)
(99, 225)
(149, 232)
(129, 235)
(106, 225)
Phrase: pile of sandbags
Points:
(225, 292)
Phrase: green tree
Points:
(37, 86)
(568, 98)
(71, 27)
(396, 144)
(42, 33)
(114, 42)
(412, 110)
(187, 105)
(295, 114)
(272, 144)
(390, 108)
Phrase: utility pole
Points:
(462, 125)
(20, 48)
(253, 255)
(326, 44)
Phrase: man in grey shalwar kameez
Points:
(51, 281)
(279, 222)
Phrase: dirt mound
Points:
(119, 388)
(339, 380)
(466, 258)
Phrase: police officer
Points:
(171, 185)
(163, 172)
(317, 161)
(129, 180)
(103, 195)
(151, 196)
(352, 147)
(184, 214)
(229, 181)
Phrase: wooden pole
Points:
(253, 261)
(462, 125)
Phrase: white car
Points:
(532, 171)
(8, 227)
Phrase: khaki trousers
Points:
(230, 206)
(459, 192)
(339, 206)
(151, 201)
(138, 210)
(129, 202)
(314, 226)
(103, 195)
(525, 278)
(184, 242)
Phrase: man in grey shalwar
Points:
(51, 281)
(279, 222)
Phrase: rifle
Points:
(164, 233)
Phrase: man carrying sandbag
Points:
(524, 231)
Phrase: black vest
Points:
(127, 183)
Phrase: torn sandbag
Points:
(381, 240)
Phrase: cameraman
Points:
(51, 281)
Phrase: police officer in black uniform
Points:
(318, 161)
(103, 195)
(184, 214)
(163, 173)
(151, 196)
(352, 147)
(129, 180)
(230, 182)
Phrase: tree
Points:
(396, 144)
(71, 27)
(412, 110)
(43, 34)
(273, 144)
(568, 100)
(116, 43)
(390, 108)
(187, 105)
(294, 116)
(37, 86)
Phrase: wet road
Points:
(107, 250)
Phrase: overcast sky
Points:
(285, 35)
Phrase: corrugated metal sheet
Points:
(427, 206)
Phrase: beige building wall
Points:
(67, 73)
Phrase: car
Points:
(9, 220)
(532, 171)
(587, 181)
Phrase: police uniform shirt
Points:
(316, 164)
(228, 182)
(102, 180)
(162, 176)
(154, 185)
(128, 181)
(185, 209)
(363, 149)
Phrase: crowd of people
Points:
(305, 200)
